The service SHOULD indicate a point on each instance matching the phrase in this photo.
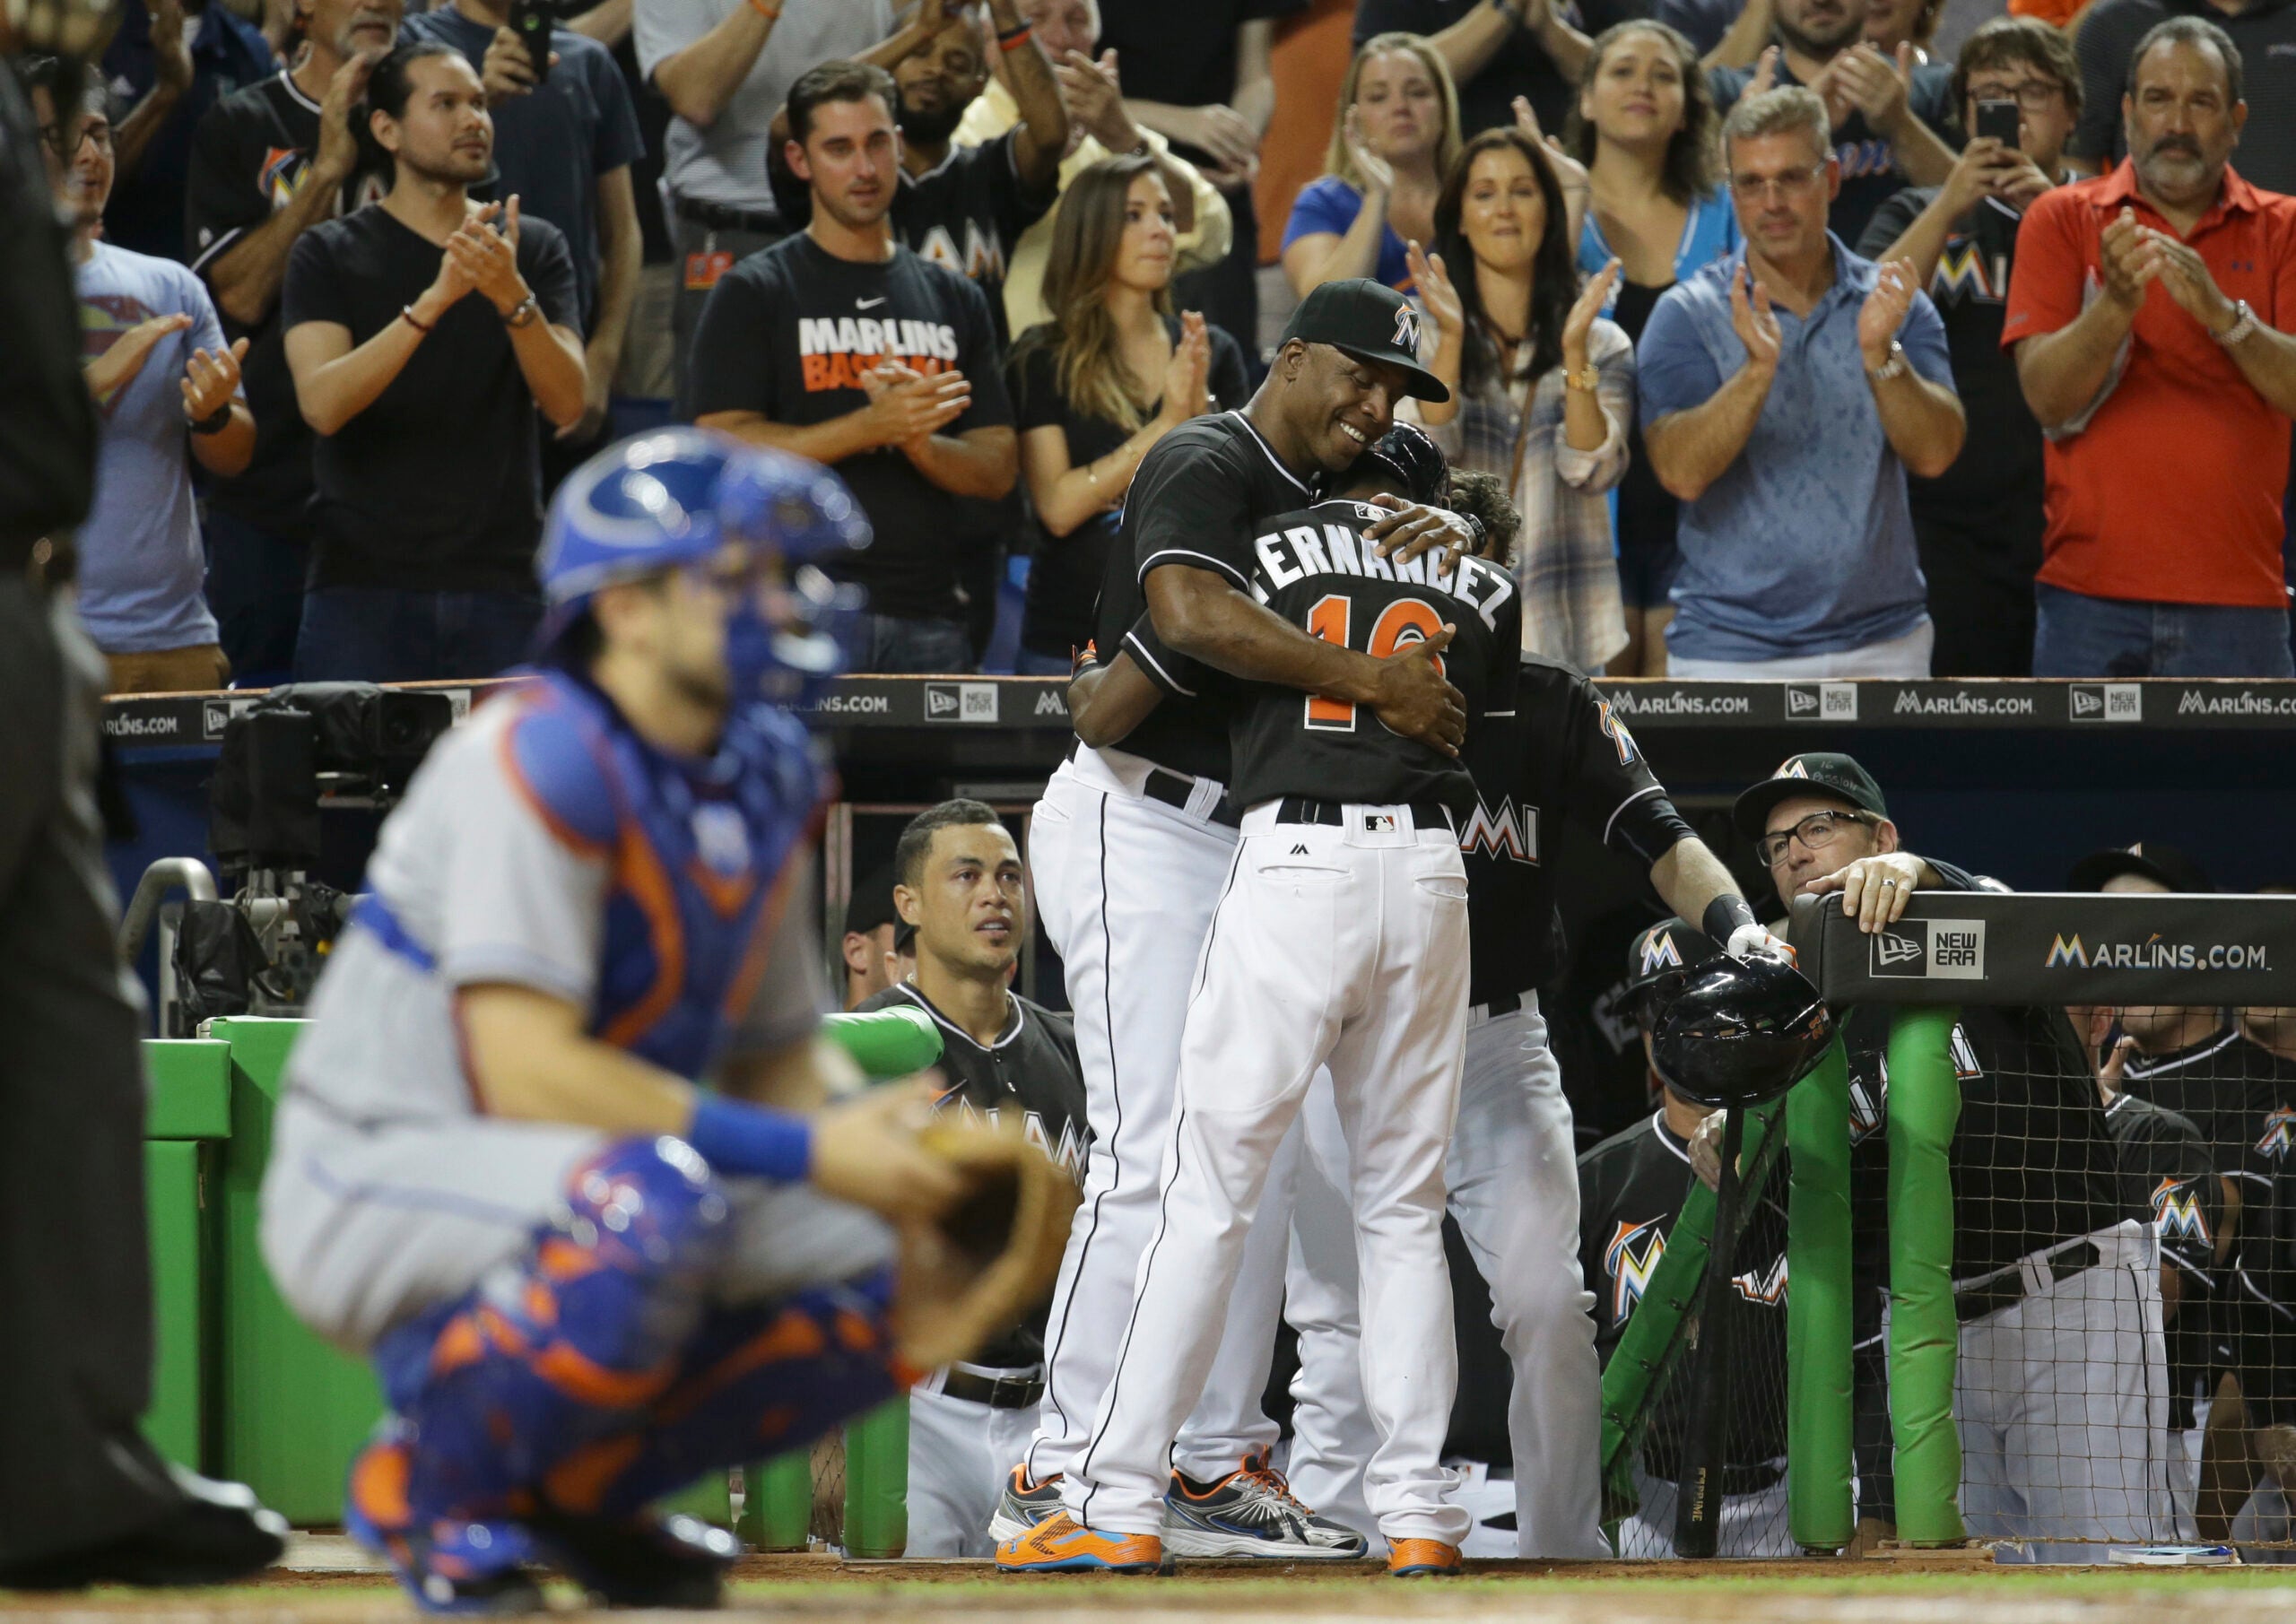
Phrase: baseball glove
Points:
(990, 1259)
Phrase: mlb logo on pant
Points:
(1379, 823)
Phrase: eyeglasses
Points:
(1794, 183)
(67, 146)
(1816, 832)
(2033, 95)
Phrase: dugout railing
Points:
(1951, 952)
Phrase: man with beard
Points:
(424, 397)
(843, 345)
(2142, 576)
(267, 163)
(1888, 118)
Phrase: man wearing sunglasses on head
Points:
(2060, 1388)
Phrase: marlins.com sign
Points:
(2153, 953)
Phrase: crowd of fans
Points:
(1802, 354)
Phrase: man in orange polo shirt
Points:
(2146, 312)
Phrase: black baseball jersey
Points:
(2227, 1087)
(1631, 1188)
(1198, 500)
(2171, 1176)
(1312, 567)
(1564, 752)
(1033, 1068)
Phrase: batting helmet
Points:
(677, 497)
(1740, 1031)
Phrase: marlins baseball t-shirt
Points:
(790, 334)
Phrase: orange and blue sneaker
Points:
(1423, 1559)
(1061, 1544)
(445, 1565)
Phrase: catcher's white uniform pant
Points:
(2061, 1399)
(958, 1454)
(1752, 1525)
(1513, 1173)
(1341, 945)
(1126, 886)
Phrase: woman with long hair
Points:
(1541, 387)
(1393, 141)
(1108, 376)
(1646, 130)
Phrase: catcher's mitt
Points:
(992, 1257)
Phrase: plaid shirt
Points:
(1566, 560)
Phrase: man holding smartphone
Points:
(1978, 525)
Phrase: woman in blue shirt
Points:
(1646, 132)
(1391, 145)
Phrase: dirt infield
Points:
(813, 1587)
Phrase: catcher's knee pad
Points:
(620, 1272)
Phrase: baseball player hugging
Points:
(1340, 939)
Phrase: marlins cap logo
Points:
(1792, 767)
(1660, 953)
(2177, 1209)
(1407, 327)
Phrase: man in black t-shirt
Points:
(1632, 1190)
(2053, 1264)
(1978, 525)
(1198, 74)
(268, 162)
(423, 332)
(1892, 121)
(959, 883)
(842, 345)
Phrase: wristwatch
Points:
(215, 422)
(2245, 324)
(522, 312)
(1895, 367)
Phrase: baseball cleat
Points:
(444, 1566)
(1023, 1505)
(1251, 1512)
(649, 1562)
(1061, 1544)
(1423, 1559)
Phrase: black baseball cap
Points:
(1814, 772)
(1668, 947)
(870, 904)
(905, 940)
(1371, 322)
(2161, 864)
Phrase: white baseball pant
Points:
(1343, 946)
(1513, 1174)
(1126, 886)
(958, 1454)
(2061, 1402)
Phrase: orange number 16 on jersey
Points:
(1405, 621)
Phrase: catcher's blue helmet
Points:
(677, 497)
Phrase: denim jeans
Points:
(889, 645)
(1028, 663)
(389, 634)
(255, 587)
(2078, 636)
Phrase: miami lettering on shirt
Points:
(981, 257)
(1284, 558)
(836, 351)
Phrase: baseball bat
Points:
(1698, 1498)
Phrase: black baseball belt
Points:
(1176, 789)
(1332, 815)
(2006, 1291)
(725, 217)
(1006, 1392)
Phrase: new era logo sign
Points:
(1931, 949)
(2105, 701)
(961, 701)
(1821, 701)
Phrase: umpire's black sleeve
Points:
(47, 424)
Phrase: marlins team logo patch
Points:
(2279, 1134)
(2176, 1209)
(1615, 732)
(1765, 1288)
(1630, 1260)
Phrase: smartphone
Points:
(531, 20)
(1997, 119)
